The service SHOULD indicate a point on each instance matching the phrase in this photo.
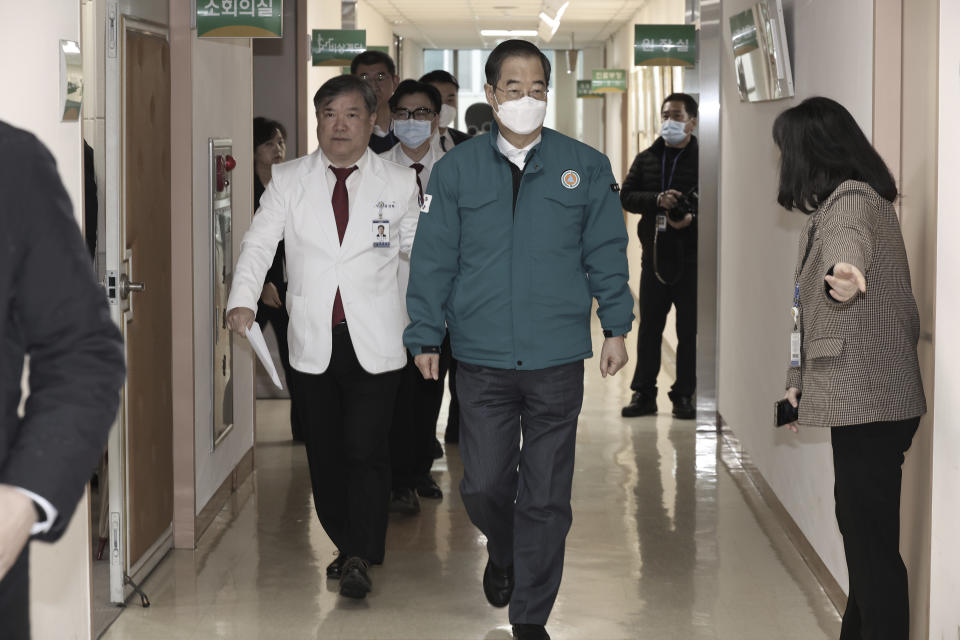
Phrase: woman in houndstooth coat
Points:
(856, 369)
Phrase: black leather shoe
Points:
(335, 568)
(530, 632)
(404, 501)
(428, 488)
(497, 584)
(683, 408)
(640, 405)
(355, 582)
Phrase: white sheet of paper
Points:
(255, 336)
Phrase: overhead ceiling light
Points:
(548, 26)
(497, 33)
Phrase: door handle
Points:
(127, 287)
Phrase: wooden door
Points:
(149, 415)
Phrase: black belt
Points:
(340, 328)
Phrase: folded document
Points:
(255, 336)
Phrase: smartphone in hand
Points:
(784, 412)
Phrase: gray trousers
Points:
(520, 498)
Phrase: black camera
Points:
(688, 202)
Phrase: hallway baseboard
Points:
(228, 487)
(755, 488)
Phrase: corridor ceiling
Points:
(456, 24)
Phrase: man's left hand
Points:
(613, 355)
(19, 516)
(683, 224)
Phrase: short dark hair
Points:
(440, 76)
(370, 58)
(409, 87)
(340, 85)
(822, 146)
(689, 104)
(513, 49)
(264, 129)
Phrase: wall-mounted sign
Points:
(609, 80)
(665, 45)
(743, 30)
(239, 18)
(585, 89)
(336, 47)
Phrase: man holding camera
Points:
(662, 187)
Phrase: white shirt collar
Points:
(361, 163)
(427, 160)
(514, 155)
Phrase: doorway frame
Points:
(122, 567)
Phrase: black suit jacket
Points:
(52, 309)
(643, 184)
(380, 144)
(458, 136)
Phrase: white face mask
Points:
(448, 115)
(673, 132)
(412, 133)
(522, 116)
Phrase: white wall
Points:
(59, 573)
(222, 108)
(620, 123)
(275, 76)
(325, 14)
(758, 245)
(620, 56)
(945, 570)
(918, 219)
(591, 109)
(321, 14)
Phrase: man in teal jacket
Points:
(519, 230)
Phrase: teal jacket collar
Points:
(533, 163)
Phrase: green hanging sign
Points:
(336, 47)
(609, 81)
(585, 89)
(665, 45)
(239, 18)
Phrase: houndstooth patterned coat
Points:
(859, 358)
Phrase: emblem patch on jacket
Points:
(570, 179)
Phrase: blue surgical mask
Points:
(412, 133)
(674, 132)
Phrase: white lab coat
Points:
(296, 207)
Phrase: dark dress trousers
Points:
(675, 250)
(52, 310)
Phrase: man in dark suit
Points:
(447, 138)
(52, 310)
(449, 88)
(378, 70)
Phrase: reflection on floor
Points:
(664, 545)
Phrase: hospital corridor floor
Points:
(667, 543)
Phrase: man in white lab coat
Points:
(347, 314)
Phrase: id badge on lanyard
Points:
(795, 334)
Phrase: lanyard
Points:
(803, 263)
(664, 185)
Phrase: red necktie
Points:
(341, 211)
(418, 167)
